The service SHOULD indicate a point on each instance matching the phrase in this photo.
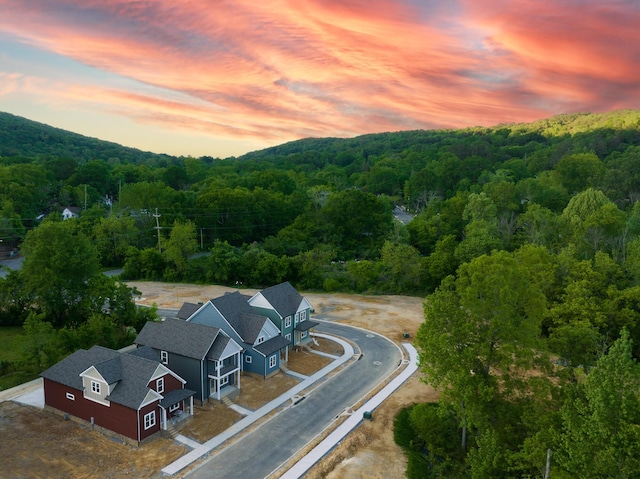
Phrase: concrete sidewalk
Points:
(254, 416)
(327, 444)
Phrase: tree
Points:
(59, 261)
(480, 331)
(600, 435)
(181, 244)
(579, 171)
(113, 235)
(356, 222)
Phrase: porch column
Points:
(191, 406)
(163, 420)
(218, 387)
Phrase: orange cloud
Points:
(283, 69)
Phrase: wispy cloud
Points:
(283, 69)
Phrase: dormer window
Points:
(95, 387)
(260, 340)
(164, 357)
(160, 385)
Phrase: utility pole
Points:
(157, 217)
(547, 469)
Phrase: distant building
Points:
(71, 212)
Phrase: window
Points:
(174, 407)
(247, 359)
(303, 315)
(287, 322)
(296, 320)
(260, 340)
(164, 357)
(303, 335)
(288, 337)
(272, 361)
(224, 380)
(160, 385)
(71, 397)
(149, 420)
(95, 387)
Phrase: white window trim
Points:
(70, 396)
(260, 340)
(175, 407)
(303, 335)
(272, 361)
(248, 359)
(288, 337)
(164, 357)
(149, 420)
(287, 322)
(303, 315)
(160, 385)
(96, 387)
(224, 380)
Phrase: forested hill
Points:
(23, 138)
(588, 131)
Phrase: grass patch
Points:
(11, 343)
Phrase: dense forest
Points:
(524, 242)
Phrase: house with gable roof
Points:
(257, 334)
(288, 310)
(205, 356)
(128, 394)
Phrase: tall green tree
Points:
(479, 335)
(181, 244)
(59, 261)
(600, 435)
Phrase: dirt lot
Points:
(33, 437)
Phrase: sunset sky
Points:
(220, 78)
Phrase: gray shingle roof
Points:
(305, 325)
(133, 372)
(187, 339)
(272, 345)
(218, 347)
(175, 396)
(240, 315)
(284, 298)
(187, 310)
(133, 388)
(68, 370)
(110, 370)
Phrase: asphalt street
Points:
(265, 449)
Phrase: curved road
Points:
(262, 451)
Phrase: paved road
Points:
(264, 450)
(9, 264)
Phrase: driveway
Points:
(262, 451)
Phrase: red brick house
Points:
(130, 394)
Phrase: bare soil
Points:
(41, 444)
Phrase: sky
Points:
(221, 78)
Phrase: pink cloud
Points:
(284, 69)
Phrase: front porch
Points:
(175, 407)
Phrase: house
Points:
(71, 212)
(258, 335)
(206, 357)
(129, 394)
(288, 310)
